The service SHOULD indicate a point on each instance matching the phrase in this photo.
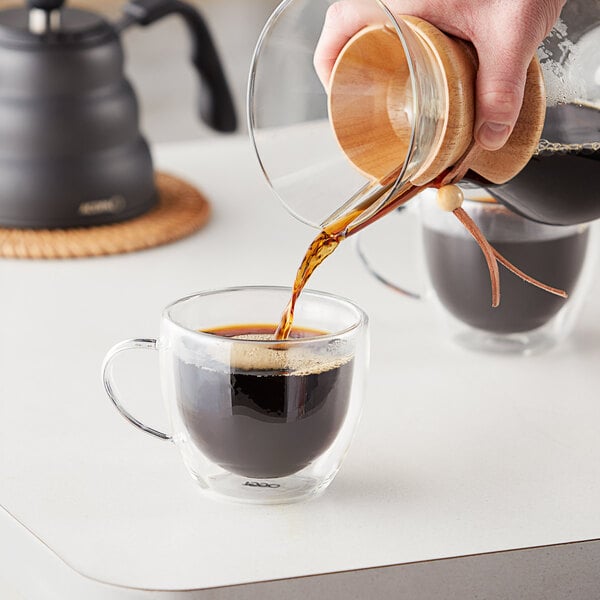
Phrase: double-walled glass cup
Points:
(258, 420)
(455, 279)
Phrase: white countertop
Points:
(457, 453)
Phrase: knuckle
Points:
(548, 12)
(502, 98)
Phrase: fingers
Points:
(343, 20)
(499, 96)
(506, 44)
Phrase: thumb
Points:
(499, 95)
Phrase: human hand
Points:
(505, 33)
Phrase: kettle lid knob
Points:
(44, 15)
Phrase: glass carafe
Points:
(290, 119)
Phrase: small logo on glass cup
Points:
(112, 205)
(260, 484)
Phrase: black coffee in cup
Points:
(460, 277)
(264, 411)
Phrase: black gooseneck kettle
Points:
(71, 153)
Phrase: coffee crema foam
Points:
(288, 359)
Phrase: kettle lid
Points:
(45, 22)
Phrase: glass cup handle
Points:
(109, 385)
(360, 250)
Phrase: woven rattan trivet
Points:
(181, 211)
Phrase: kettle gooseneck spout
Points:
(219, 112)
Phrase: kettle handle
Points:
(220, 112)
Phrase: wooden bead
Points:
(450, 197)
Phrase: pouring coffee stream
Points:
(451, 153)
(449, 198)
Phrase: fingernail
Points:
(493, 135)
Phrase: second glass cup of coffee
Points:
(457, 281)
